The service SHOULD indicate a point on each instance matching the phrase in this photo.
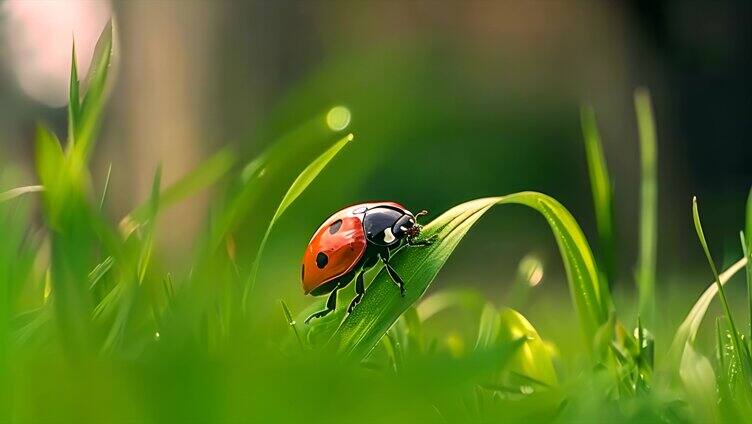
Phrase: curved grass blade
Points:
(19, 191)
(743, 365)
(381, 306)
(687, 331)
(648, 206)
(203, 176)
(303, 180)
(601, 186)
(266, 179)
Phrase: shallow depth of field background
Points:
(450, 101)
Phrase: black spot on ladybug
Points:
(321, 260)
(302, 272)
(335, 226)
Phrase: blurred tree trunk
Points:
(165, 83)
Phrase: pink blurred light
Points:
(39, 34)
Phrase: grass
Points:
(648, 204)
(95, 328)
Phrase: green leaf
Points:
(381, 306)
(648, 206)
(601, 187)
(533, 359)
(302, 182)
(530, 365)
(698, 379)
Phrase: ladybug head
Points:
(408, 226)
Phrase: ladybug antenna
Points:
(421, 213)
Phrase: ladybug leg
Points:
(360, 289)
(331, 304)
(393, 273)
(424, 242)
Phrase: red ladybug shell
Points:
(339, 244)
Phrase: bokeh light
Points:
(39, 35)
(338, 118)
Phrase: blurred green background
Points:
(450, 101)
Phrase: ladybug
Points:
(351, 242)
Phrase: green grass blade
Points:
(721, 356)
(291, 322)
(711, 262)
(748, 224)
(74, 104)
(747, 248)
(106, 186)
(308, 175)
(16, 265)
(382, 305)
(99, 271)
(19, 191)
(648, 206)
(687, 331)
(265, 180)
(124, 295)
(200, 178)
(745, 251)
(302, 182)
(601, 186)
(488, 328)
(49, 164)
(148, 238)
(743, 365)
(94, 98)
